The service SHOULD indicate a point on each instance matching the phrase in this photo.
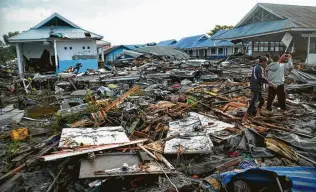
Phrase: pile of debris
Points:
(135, 131)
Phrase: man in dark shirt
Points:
(256, 85)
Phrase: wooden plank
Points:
(80, 151)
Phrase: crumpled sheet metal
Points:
(76, 137)
(195, 141)
(281, 148)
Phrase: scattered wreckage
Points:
(137, 130)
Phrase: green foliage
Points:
(218, 28)
(7, 36)
(13, 147)
(7, 52)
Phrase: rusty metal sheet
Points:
(76, 137)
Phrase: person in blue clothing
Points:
(256, 85)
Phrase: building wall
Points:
(80, 51)
(229, 51)
(111, 56)
(299, 43)
(35, 49)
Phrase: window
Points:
(88, 47)
(277, 46)
(70, 48)
(282, 46)
(220, 51)
(312, 46)
(256, 46)
(266, 46)
(65, 48)
(272, 45)
(261, 46)
(213, 51)
(83, 47)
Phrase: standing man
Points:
(276, 73)
(256, 86)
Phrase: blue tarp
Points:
(303, 178)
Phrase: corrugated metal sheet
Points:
(303, 178)
(44, 33)
(259, 28)
(133, 47)
(302, 16)
(213, 43)
(218, 33)
(170, 42)
(164, 51)
(188, 42)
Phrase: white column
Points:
(18, 55)
(308, 47)
(102, 54)
(56, 58)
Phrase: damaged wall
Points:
(35, 49)
(72, 52)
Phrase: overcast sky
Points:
(132, 21)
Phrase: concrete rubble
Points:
(158, 122)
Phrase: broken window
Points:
(213, 51)
(87, 34)
(312, 46)
(220, 51)
(236, 49)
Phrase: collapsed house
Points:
(54, 45)
(276, 28)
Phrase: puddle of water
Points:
(38, 111)
(42, 110)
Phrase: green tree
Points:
(10, 34)
(218, 28)
(7, 52)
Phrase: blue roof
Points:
(213, 43)
(169, 42)
(189, 42)
(44, 33)
(256, 29)
(42, 30)
(133, 47)
(218, 33)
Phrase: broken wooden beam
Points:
(80, 151)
